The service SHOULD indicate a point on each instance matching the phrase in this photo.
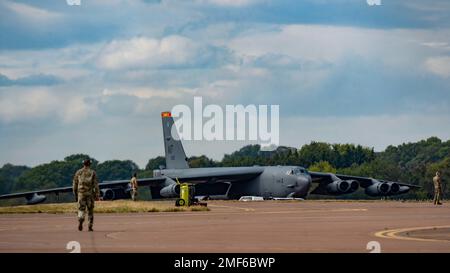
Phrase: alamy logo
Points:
(74, 246)
(73, 2)
(374, 247)
(374, 2)
(230, 124)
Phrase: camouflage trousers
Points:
(86, 203)
(437, 196)
(133, 193)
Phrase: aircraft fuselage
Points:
(274, 181)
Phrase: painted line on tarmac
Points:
(349, 210)
(236, 212)
(394, 234)
(114, 235)
(310, 210)
(232, 207)
(240, 212)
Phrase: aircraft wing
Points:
(34, 197)
(141, 182)
(219, 175)
(340, 184)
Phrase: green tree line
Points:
(414, 163)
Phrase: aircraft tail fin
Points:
(174, 151)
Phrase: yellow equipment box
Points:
(186, 195)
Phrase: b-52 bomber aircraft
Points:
(231, 182)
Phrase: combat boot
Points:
(80, 225)
(91, 228)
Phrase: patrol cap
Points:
(87, 162)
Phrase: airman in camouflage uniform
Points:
(134, 187)
(86, 191)
(437, 188)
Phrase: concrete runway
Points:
(231, 226)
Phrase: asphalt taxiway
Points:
(232, 226)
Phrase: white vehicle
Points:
(287, 198)
(251, 198)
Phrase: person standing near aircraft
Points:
(437, 188)
(134, 187)
(86, 191)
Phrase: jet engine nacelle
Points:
(173, 190)
(394, 188)
(386, 189)
(35, 199)
(354, 186)
(342, 186)
(378, 189)
(403, 189)
(107, 194)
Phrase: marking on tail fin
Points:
(166, 114)
(174, 151)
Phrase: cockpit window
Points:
(297, 171)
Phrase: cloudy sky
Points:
(94, 78)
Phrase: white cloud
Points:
(41, 103)
(439, 66)
(76, 109)
(306, 42)
(33, 104)
(230, 3)
(332, 44)
(147, 52)
(436, 6)
(148, 93)
(67, 63)
(31, 13)
(437, 45)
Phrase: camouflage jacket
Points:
(133, 183)
(437, 182)
(85, 182)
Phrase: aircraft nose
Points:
(303, 184)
